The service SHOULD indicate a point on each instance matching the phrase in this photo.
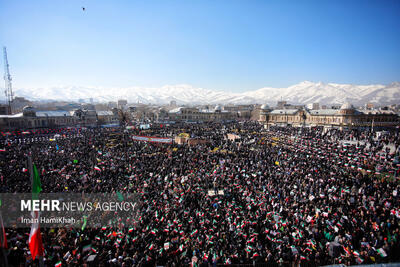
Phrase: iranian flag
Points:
(97, 168)
(346, 250)
(58, 264)
(35, 237)
(248, 249)
(356, 253)
(154, 231)
(194, 233)
(205, 256)
(382, 252)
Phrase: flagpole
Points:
(30, 166)
(3, 250)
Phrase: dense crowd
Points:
(272, 196)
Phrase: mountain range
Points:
(302, 93)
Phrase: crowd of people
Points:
(279, 196)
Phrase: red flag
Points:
(35, 238)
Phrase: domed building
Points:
(347, 106)
(217, 108)
(264, 110)
(347, 109)
(345, 117)
(28, 111)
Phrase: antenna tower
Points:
(7, 78)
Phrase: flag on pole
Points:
(35, 238)
(84, 222)
(36, 184)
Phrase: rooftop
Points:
(323, 111)
(18, 115)
(105, 113)
(53, 113)
(284, 111)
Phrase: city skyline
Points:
(233, 46)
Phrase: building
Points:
(29, 118)
(112, 104)
(264, 113)
(187, 114)
(281, 104)
(107, 117)
(122, 103)
(244, 112)
(313, 106)
(162, 115)
(172, 103)
(4, 109)
(18, 103)
(237, 108)
(369, 106)
(87, 118)
(345, 117)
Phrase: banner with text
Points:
(77, 210)
(152, 139)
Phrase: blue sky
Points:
(223, 45)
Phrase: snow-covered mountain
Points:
(301, 93)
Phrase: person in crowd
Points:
(281, 196)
